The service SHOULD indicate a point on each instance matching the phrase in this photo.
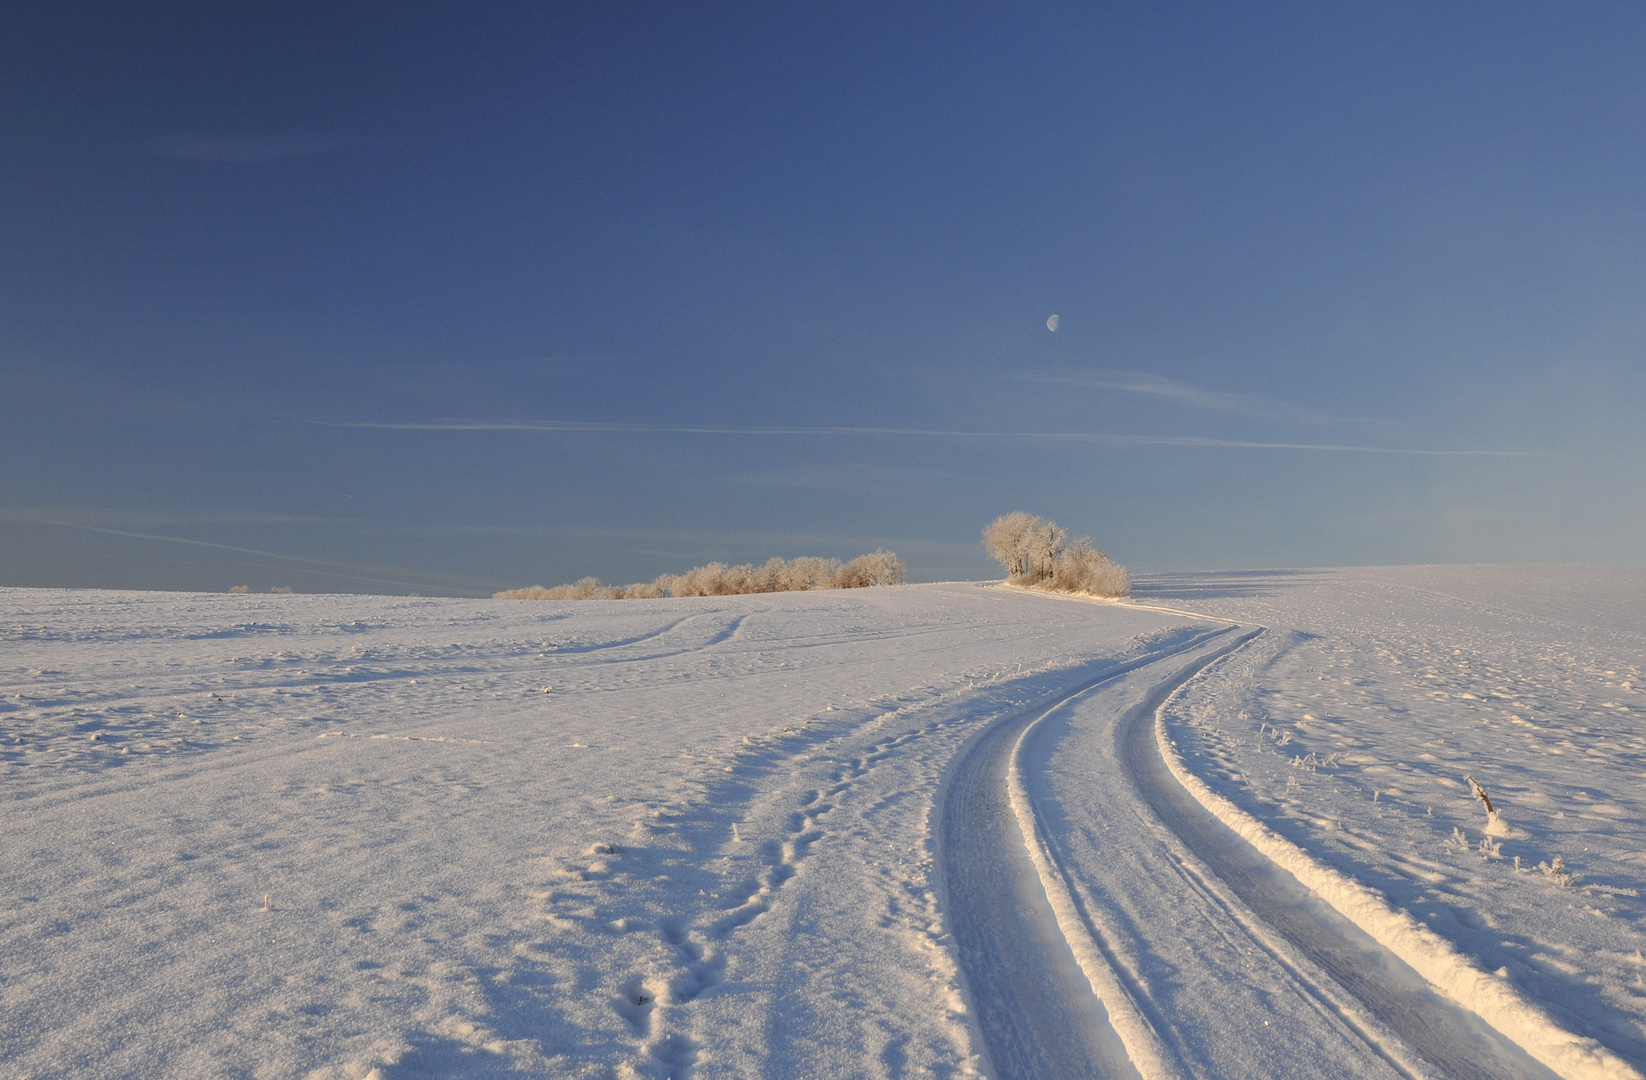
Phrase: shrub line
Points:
(717, 579)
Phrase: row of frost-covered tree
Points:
(1037, 554)
(718, 579)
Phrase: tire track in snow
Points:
(724, 634)
(1453, 1039)
(1111, 934)
(654, 1002)
(1033, 1005)
(623, 643)
(213, 750)
(1346, 976)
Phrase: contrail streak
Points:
(338, 569)
(601, 427)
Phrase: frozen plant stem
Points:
(1557, 873)
(1495, 825)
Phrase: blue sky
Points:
(453, 298)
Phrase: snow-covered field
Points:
(784, 835)
(1351, 725)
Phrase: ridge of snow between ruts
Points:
(1143, 1044)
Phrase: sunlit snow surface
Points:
(1351, 725)
(694, 837)
(599, 838)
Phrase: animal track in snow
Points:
(782, 861)
(690, 964)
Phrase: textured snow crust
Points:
(1342, 739)
(343, 837)
(638, 838)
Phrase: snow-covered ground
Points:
(1350, 728)
(783, 835)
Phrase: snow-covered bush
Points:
(718, 579)
(878, 568)
(1034, 553)
(1081, 568)
(811, 572)
(586, 589)
(707, 580)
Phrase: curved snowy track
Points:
(1447, 1037)
(1215, 961)
(1032, 1003)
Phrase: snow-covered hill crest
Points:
(330, 836)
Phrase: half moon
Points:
(1051, 323)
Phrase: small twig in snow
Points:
(1480, 793)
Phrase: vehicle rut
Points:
(1026, 936)
(1032, 1004)
(1448, 1037)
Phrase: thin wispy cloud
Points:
(247, 149)
(1180, 393)
(840, 476)
(123, 521)
(366, 573)
(136, 518)
(1101, 438)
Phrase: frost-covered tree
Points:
(1045, 545)
(1028, 546)
(1034, 552)
(876, 568)
(1007, 539)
